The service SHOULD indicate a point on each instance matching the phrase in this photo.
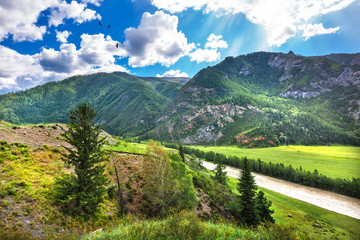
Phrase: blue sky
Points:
(49, 40)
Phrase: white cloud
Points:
(62, 36)
(311, 30)
(281, 19)
(156, 40)
(74, 10)
(18, 71)
(210, 53)
(96, 54)
(95, 51)
(173, 73)
(204, 55)
(18, 17)
(95, 2)
(214, 41)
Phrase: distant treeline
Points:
(297, 175)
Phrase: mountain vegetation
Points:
(29, 170)
(255, 100)
(266, 99)
(126, 105)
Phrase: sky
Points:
(50, 40)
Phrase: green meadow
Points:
(333, 161)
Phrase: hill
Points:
(266, 99)
(125, 104)
(256, 100)
(27, 209)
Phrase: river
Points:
(331, 201)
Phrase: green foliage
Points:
(181, 152)
(82, 192)
(220, 173)
(263, 207)
(167, 183)
(141, 100)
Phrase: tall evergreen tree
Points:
(247, 200)
(81, 192)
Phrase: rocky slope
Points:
(269, 97)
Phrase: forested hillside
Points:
(266, 99)
(254, 100)
(126, 104)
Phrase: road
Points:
(331, 201)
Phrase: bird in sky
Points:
(109, 26)
(117, 45)
(100, 23)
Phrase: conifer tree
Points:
(263, 208)
(81, 192)
(247, 200)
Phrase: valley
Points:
(296, 119)
(28, 170)
(333, 161)
(331, 201)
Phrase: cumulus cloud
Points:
(95, 50)
(214, 41)
(281, 19)
(18, 17)
(96, 54)
(18, 71)
(204, 55)
(156, 40)
(74, 10)
(94, 2)
(310, 30)
(173, 73)
(62, 36)
(210, 53)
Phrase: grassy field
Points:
(130, 147)
(334, 161)
(305, 216)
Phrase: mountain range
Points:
(258, 99)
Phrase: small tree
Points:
(220, 173)
(82, 191)
(247, 200)
(181, 152)
(263, 208)
(167, 183)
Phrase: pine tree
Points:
(82, 192)
(263, 208)
(247, 200)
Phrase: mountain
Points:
(345, 58)
(259, 99)
(125, 104)
(264, 99)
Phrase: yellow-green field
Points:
(334, 161)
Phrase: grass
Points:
(130, 147)
(305, 216)
(334, 161)
(185, 225)
(127, 147)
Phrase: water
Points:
(331, 201)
